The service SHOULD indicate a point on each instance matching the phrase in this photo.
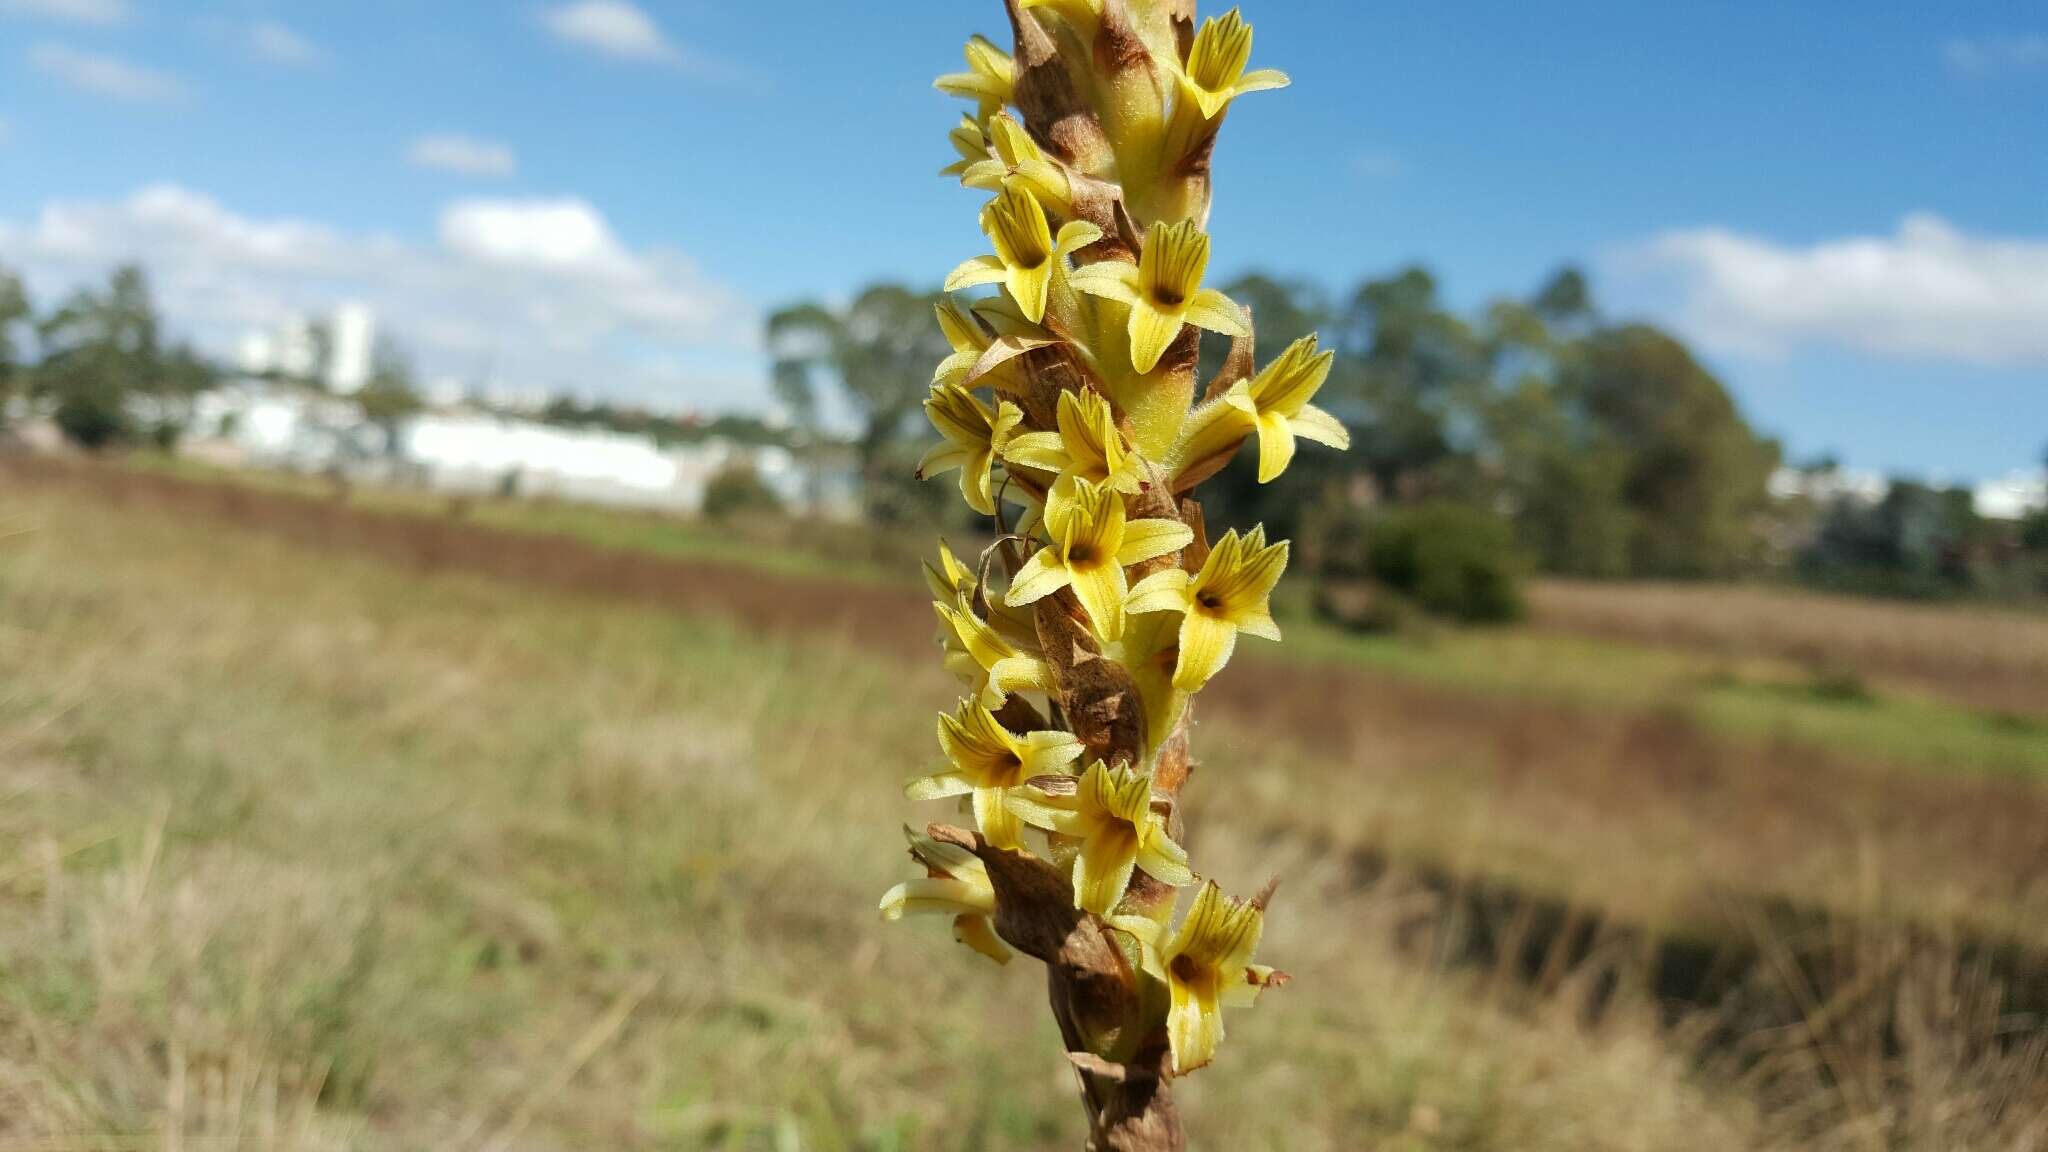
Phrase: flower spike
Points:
(1028, 255)
(1228, 596)
(1164, 291)
(1085, 627)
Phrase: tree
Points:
(1696, 475)
(1416, 364)
(878, 353)
(390, 394)
(14, 310)
(98, 352)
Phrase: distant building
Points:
(1830, 485)
(291, 349)
(269, 424)
(258, 423)
(352, 356)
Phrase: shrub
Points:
(1452, 559)
(737, 490)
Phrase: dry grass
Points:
(1984, 657)
(300, 850)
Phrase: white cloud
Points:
(102, 12)
(1994, 54)
(105, 75)
(613, 27)
(527, 294)
(464, 156)
(1930, 290)
(275, 42)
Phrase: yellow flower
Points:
(988, 662)
(987, 760)
(1164, 291)
(1215, 71)
(1110, 811)
(974, 437)
(1087, 446)
(1277, 400)
(957, 886)
(1018, 157)
(1091, 544)
(971, 143)
(953, 582)
(1207, 967)
(1229, 595)
(1274, 404)
(968, 339)
(1027, 254)
(990, 79)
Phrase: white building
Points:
(290, 349)
(267, 425)
(1830, 485)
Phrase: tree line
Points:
(1540, 428)
(99, 366)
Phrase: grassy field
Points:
(300, 848)
(1939, 688)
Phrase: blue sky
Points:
(1841, 204)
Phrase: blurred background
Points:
(461, 631)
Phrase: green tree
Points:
(99, 351)
(1696, 475)
(14, 311)
(390, 394)
(878, 353)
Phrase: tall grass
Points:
(300, 850)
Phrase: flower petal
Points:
(942, 458)
(1165, 591)
(1041, 576)
(1109, 279)
(1205, 647)
(1029, 287)
(1102, 871)
(1276, 446)
(941, 786)
(980, 270)
(1164, 860)
(1145, 539)
(1194, 1025)
(1312, 423)
(1042, 450)
(1218, 313)
(1261, 80)
(977, 933)
(1101, 588)
(1152, 333)
(999, 826)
